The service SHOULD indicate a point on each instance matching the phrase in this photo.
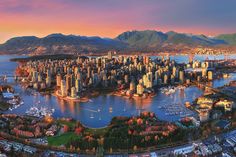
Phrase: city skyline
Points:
(110, 18)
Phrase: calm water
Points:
(89, 114)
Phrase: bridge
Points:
(216, 90)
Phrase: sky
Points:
(109, 18)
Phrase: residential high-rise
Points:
(181, 76)
(58, 78)
(132, 86)
(63, 88)
(68, 82)
(210, 75)
(165, 79)
(78, 85)
(140, 89)
(73, 92)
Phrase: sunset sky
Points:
(108, 18)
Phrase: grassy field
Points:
(99, 132)
(70, 124)
(62, 139)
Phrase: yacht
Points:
(110, 109)
(40, 112)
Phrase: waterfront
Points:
(96, 112)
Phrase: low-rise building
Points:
(184, 150)
(226, 104)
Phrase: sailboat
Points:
(91, 116)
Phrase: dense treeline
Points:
(131, 134)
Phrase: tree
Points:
(100, 151)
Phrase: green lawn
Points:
(62, 139)
(70, 124)
(99, 131)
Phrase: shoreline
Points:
(67, 98)
(118, 94)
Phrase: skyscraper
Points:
(68, 82)
(210, 75)
(58, 80)
(140, 89)
(181, 76)
(63, 88)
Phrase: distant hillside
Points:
(59, 43)
(228, 38)
(154, 39)
(126, 42)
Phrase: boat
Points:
(110, 109)
(91, 116)
(40, 112)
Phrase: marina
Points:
(176, 109)
(39, 112)
(171, 89)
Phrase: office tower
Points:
(48, 81)
(165, 79)
(174, 71)
(73, 80)
(42, 85)
(126, 79)
(210, 75)
(132, 86)
(198, 78)
(35, 85)
(73, 92)
(140, 81)
(145, 80)
(63, 88)
(172, 79)
(95, 78)
(181, 76)
(34, 76)
(40, 79)
(149, 76)
(58, 78)
(68, 82)
(79, 76)
(204, 72)
(78, 85)
(89, 72)
(104, 78)
(187, 81)
(149, 84)
(140, 89)
(76, 70)
(156, 77)
(149, 80)
(90, 81)
(48, 73)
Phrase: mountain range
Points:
(144, 41)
